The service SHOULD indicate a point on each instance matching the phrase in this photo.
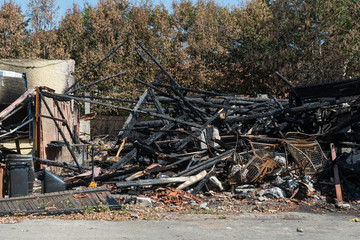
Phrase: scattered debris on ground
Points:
(202, 150)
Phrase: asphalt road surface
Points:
(244, 226)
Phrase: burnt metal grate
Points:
(306, 151)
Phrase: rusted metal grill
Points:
(252, 170)
(263, 150)
(306, 151)
(256, 169)
(260, 164)
(65, 201)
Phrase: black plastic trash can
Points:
(18, 175)
(25, 159)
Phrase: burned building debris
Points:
(191, 139)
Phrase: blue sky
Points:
(65, 4)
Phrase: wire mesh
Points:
(260, 163)
(252, 170)
(306, 151)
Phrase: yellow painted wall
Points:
(55, 74)
(25, 146)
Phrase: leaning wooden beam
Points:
(285, 80)
(16, 109)
(157, 105)
(130, 121)
(174, 83)
(158, 64)
(96, 65)
(193, 109)
(96, 82)
(16, 103)
(179, 98)
(155, 88)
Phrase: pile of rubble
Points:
(206, 141)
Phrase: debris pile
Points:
(206, 141)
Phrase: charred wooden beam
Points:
(63, 96)
(275, 113)
(207, 93)
(353, 119)
(344, 88)
(96, 82)
(75, 140)
(155, 88)
(130, 121)
(206, 164)
(58, 164)
(106, 99)
(149, 124)
(173, 82)
(203, 181)
(149, 150)
(95, 66)
(285, 80)
(182, 144)
(158, 105)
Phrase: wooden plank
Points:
(16, 103)
(145, 182)
(33, 202)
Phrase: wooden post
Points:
(339, 199)
(2, 167)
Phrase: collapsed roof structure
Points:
(196, 139)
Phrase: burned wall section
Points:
(51, 142)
